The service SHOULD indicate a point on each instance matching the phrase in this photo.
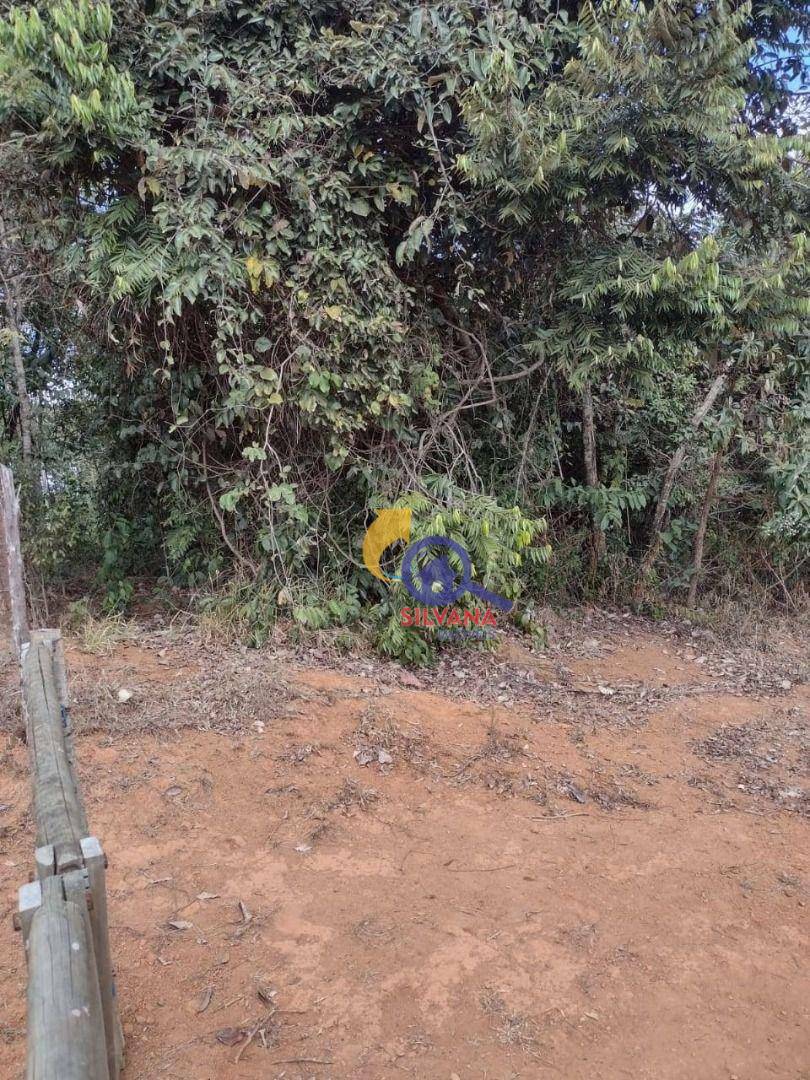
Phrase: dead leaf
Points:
(230, 1036)
(205, 999)
(180, 924)
(124, 694)
(173, 791)
(208, 896)
(246, 915)
(267, 994)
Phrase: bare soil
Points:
(587, 863)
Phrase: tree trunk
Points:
(21, 383)
(673, 469)
(12, 301)
(700, 535)
(598, 546)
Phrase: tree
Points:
(344, 250)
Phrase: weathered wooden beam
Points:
(12, 578)
(95, 863)
(65, 1023)
(53, 639)
(30, 899)
(58, 810)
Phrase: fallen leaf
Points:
(246, 915)
(208, 896)
(180, 924)
(267, 994)
(173, 791)
(124, 694)
(230, 1036)
(205, 999)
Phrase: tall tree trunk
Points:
(700, 535)
(11, 297)
(598, 546)
(671, 474)
(20, 381)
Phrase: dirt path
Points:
(591, 864)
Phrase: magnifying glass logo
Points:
(437, 581)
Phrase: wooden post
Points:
(54, 639)
(30, 899)
(58, 811)
(12, 587)
(95, 862)
(65, 1025)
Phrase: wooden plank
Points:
(53, 639)
(65, 1025)
(58, 810)
(12, 586)
(30, 899)
(95, 862)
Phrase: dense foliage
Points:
(272, 265)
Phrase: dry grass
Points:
(98, 634)
(511, 1028)
(228, 695)
(376, 730)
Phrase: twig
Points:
(557, 817)
(251, 1036)
(478, 869)
(303, 1061)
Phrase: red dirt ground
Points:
(603, 875)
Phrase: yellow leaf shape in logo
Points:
(390, 525)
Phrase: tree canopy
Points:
(291, 261)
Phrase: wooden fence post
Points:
(58, 810)
(64, 850)
(65, 1026)
(12, 587)
(95, 863)
(74, 1028)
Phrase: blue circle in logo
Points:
(437, 578)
